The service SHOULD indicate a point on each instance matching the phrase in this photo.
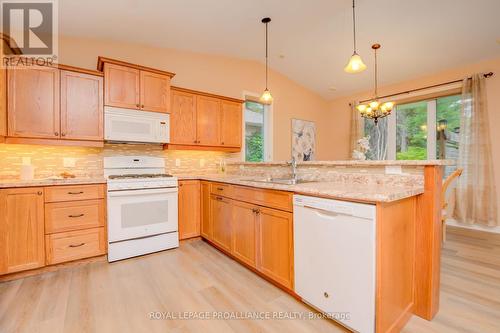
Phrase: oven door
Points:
(141, 213)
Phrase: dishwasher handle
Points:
(325, 212)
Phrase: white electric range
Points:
(142, 206)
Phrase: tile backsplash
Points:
(88, 162)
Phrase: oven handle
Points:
(126, 193)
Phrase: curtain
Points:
(356, 127)
(475, 192)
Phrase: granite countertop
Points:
(6, 183)
(334, 190)
(352, 163)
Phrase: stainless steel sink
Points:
(284, 181)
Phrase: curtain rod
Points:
(486, 75)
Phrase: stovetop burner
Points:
(137, 176)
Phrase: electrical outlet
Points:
(69, 162)
(202, 162)
(177, 162)
(393, 170)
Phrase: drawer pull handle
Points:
(77, 245)
(218, 198)
(220, 189)
(81, 192)
(79, 215)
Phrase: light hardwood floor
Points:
(118, 297)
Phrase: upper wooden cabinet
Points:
(33, 103)
(122, 86)
(207, 121)
(231, 124)
(204, 121)
(183, 115)
(49, 105)
(81, 106)
(3, 103)
(21, 229)
(134, 86)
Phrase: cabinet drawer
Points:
(78, 192)
(73, 245)
(74, 215)
(263, 197)
(220, 189)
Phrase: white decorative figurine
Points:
(363, 148)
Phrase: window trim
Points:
(268, 127)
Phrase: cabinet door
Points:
(183, 118)
(121, 86)
(189, 209)
(21, 229)
(206, 225)
(208, 121)
(231, 124)
(155, 92)
(243, 226)
(275, 245)
(81, 106)
(3, 102)
(33, 102)
(220, 210)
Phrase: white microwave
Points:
(125, 125)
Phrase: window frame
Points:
(268, 127)
(430, 95)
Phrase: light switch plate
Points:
(69, 162)
(393, 170)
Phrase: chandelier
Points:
(374, 109)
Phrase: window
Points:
(257, 136)
(420, 130)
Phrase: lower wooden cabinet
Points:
(275, 245)
(73, 245)
(221, 214)
(243, 226)
(21, 229)
(189, 209)
(261, 237)
(206, 223)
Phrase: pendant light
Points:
(266, 97)
(374, 109)
(355, 64)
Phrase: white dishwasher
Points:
(334, 243)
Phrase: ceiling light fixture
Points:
(266, 97)
(355, 64)
(374, 109)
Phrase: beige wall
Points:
(220, 75)
(341, 110)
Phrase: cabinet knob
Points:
(142, 106)
(138, 105)
(222, 142)
(326, 294)
(39, 193)
(195, 141)
(56, 133)
(63, 134)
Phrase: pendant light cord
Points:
(354, 24)
(266, 55)
(376, 75)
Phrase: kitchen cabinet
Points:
(231, 124)
(134, 86)
(189, 209)
(202, 121)
(221, 214)
(82, 107)
(55, 105)
(33, 103)
(183, 118)
(207, 121)
(21, 229)
(243, 228)
(206, 223)
(275, 245)
(3, 103)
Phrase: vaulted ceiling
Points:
(310, 40)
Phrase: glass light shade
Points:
(374, 105)
(361, 107)
(266, 97)
(389, 105)
(355, 64)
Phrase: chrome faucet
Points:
(293, 164)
